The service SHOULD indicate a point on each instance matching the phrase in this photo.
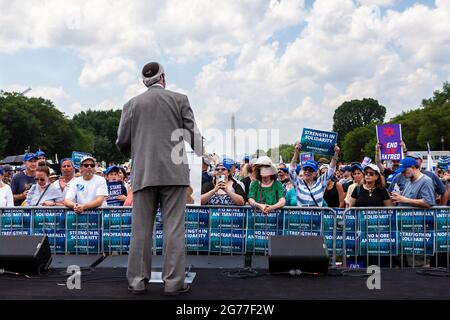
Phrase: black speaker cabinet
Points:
(25, 254)
(305, 253)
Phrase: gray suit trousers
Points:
(172, 200)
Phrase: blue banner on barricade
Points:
(236, 230)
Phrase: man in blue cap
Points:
(23, 181)
(41, 155)
(438, 186)
(419, 189)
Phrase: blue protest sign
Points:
(317, 141)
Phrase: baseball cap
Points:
(407, 162)
(311, 164)
(30, 156)
(416, 156)
(41, 153)
(112, 169)
(7, 168)
(356, 166)
(87, 158)
(227, 165)
(229, 161)
(372, 166)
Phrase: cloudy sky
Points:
(278, 65)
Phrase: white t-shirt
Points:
(6, 196)
(83, 191)
(64, 192)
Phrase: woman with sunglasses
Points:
(223, 190)
(43, 193)
(372, 192)
(308, 186)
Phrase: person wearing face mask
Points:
(266, 192)
(309, 190)
(43, 193)
(419, 188)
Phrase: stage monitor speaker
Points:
(308, 254)
(25, 254)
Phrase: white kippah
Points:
(152, 73)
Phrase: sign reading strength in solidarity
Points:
(389, 137)
(316, 141)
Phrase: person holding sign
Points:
(310, 190)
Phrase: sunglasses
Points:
(310, 170)
(87, 165)
(221, 169)
(371, 174)
(39, 179)
(283, 169)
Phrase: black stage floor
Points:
(107, 281)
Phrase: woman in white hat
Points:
(266, 192)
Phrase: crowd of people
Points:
(257, 182)
(267, 186)
(81, 189)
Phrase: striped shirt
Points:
(303, 195)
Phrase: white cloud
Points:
(107, 71)
(346, 50)
(55, 94)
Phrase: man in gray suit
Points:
(152, 127)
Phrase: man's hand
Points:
(397, 197)
(79, 208)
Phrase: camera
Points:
(221, 178)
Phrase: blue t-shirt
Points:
(21, 182)
(420, 189)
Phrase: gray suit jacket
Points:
(148, 129)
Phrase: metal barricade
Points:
(211, 230)
(396, 237)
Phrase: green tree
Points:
(103, 126)
(439, 97)
(355, 114)
(286, 151)
(358, 143)
(35, 123)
